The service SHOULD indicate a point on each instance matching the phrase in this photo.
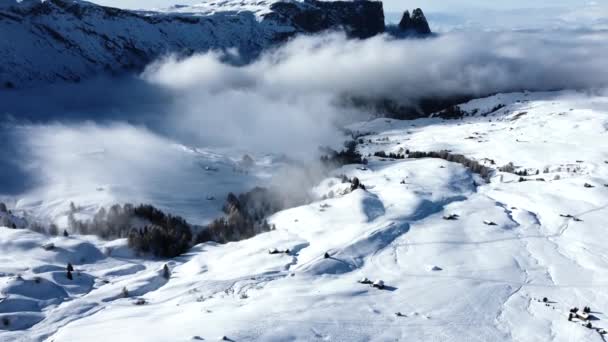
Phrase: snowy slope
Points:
(258, 7)
(451, 280)
(55, 40)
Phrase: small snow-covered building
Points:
(582, 315)
(365, 280)
(379, 284)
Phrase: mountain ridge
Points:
(71, 40)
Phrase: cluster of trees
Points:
(522, 173)
(165, 235)
(510, 168)
(391, 155)
(5, 220)
(148, 229)
(344, 179)
(51, 229)
(452, 112)
(495, 109)
(355, 183)
(473, 165)
(333, 159)
(162, 241)
(455, 112)
(115, 222)
(245, 217)
(255, 204)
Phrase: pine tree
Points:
(125, 292)
(166, 272)
(53, 230)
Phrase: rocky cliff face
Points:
(360, 19)
(55, 40)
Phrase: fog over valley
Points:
(302, 170)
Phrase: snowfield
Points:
(479, 277)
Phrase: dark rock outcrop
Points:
(422, 108)
(359, 19)
(415, 23)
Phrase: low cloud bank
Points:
(291, 101)
(295, 93)
(292, 98)
(460, 63)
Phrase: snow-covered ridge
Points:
(258, 7)
(53, 40)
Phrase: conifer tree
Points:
(166, 272)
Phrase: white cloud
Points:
(313, 72)
(288, 101)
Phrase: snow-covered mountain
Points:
(461, 258)
(52, 40)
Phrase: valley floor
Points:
(479, 277)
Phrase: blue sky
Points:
(447, 5)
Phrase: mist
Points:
(292, 98)
(289, 101)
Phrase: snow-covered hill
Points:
(477, 276)
(52, 40)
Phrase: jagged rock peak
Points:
(406, 20)
(416, 22)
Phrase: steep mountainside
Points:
(53, 40)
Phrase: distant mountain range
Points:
(69, 40)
